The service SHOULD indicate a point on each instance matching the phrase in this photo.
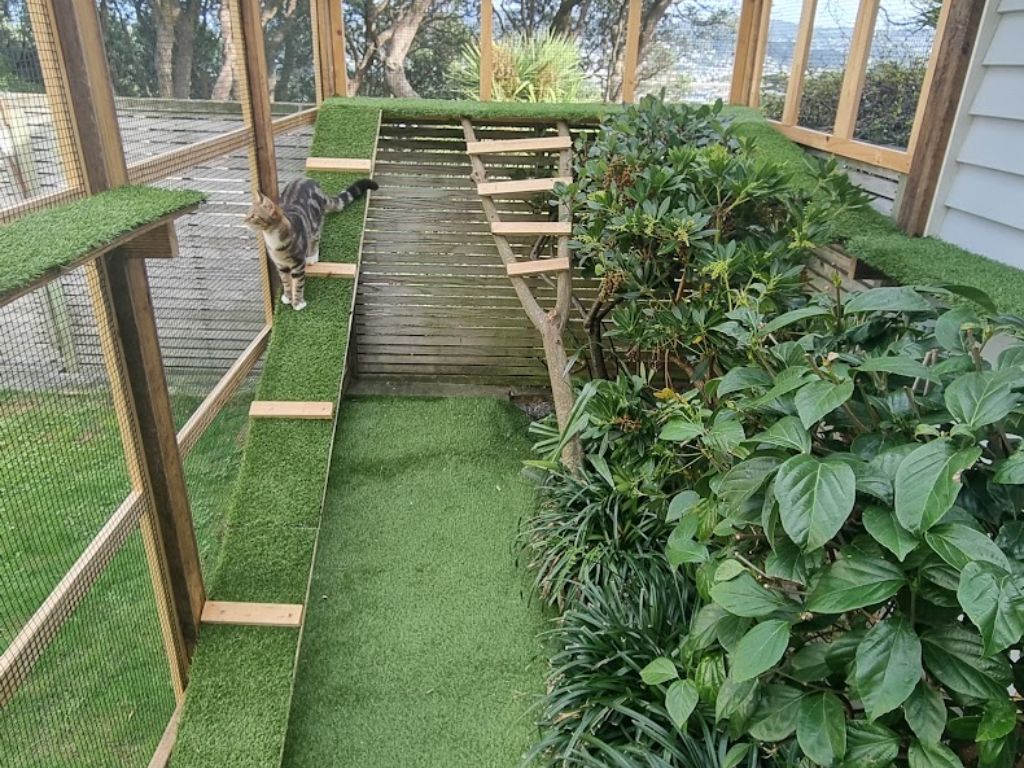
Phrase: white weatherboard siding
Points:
(979, 203)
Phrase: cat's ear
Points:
(266, 202)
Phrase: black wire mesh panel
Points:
(83, 676)
(38, 155)
(783, 26)
(288, 41)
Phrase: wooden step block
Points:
(252, 614)
(332, 269)
(290, 409)
(520, 186)
(538, 267)
(544, 144)
(531, 228)
(349, 164)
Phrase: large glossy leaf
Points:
(759, 650)
(661, 670)
(889, 299)
(899, 365)
(680, 430)
(787, 432)
(680, 701)
(925, 713)
(888, 666)
(815, 498)
(746, 478)
(981, 398)
(787, 380)
(1011, 357)
(928, 481)
(925, 755)
(821, 728)
(870, 745)
(1011, 471)
(725, 435)
(736, 699)
(787, 318)
(954, 655)
(742, 377)
(814, 401)
(959, 545)
(853, 583)
(994, 601)
(743, 596)
(777, 713)
(881, 523)
(998, 719)
(948, 328)
(682, 503)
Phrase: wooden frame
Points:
(538, 267)
(632, 60)
(872, 154)
(500, 146)
(798, 69)
(486, 49)
(340, 164)
(520, 186)
(760, 49)
(856, 69)
(337, 269)
(553, 228)
(291, 409)
(253, 614)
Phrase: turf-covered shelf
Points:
(42, 245)
(239, 694)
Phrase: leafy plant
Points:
(529, 67)
(859, 550)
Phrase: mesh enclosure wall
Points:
(288, 41)
(83, 678)
(38, 155)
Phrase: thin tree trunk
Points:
(165, 18)
(403, 32)
(225, 85)
(184, 52)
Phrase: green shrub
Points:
(887, 108)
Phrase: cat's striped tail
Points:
(354, 192)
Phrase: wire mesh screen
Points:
(783, 24)
(391, 52)
(83, 677)
(288, 40)
(38, 155)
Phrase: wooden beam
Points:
(760, 51)
(252, 614)
(486, 49)
(537, 228)
(337, 18)
(520, 186)
(538, 267)
(337, 269)
(856, 69)
(342, 164)
(950, 62)
(544, 144)
(746, 42)
(164, 748)
(632, 62)
(223, 391)
(323, 50)
(883, 157)
(254, 94)
(291, 409)
(798, 70)
(28, 645)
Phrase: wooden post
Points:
(856, 69)
(337, 26)
(323, 50)
(945, 86)
(798, 70)
(760, 50)
(251, 62)
(131, 348)
(629, 75)
(486, 49)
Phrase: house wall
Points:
(979, 202)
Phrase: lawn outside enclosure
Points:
(784, 435)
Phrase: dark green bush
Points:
(887, 107)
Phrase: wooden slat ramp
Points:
(435, 307)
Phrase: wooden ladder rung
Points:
(544, 144)
(538, 267)
(290, 409)
(351, 164)
(531, 228)
(252, 614)
(520, 186)
(332, 269)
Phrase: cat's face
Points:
(264, 214)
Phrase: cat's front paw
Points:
(299, 305)
(286, 299)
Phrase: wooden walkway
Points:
(435, 309)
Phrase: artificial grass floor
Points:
(420, 648)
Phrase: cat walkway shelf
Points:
(339, 164)
(252, 614)
(539, 267)
(335, 269)
(532, 228)
(520, 186)
(545, 144)
(289, 409)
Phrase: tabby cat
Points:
(292, 229)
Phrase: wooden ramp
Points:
(435, 306)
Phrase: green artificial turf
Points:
(236, 709)
(101, 693)
(34, 244)
(420, 648)
(437, 109)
